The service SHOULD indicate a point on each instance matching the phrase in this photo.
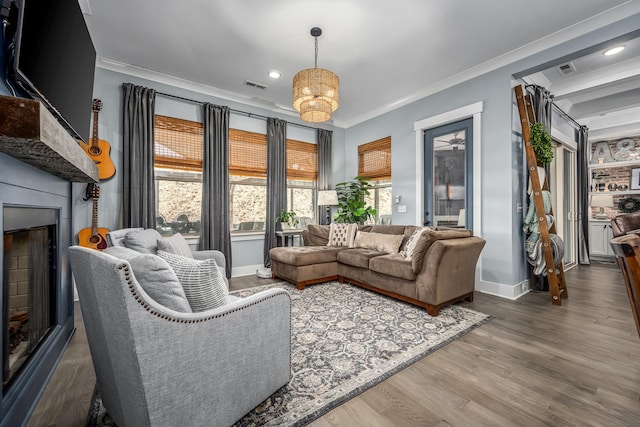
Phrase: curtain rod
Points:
(560, 110)
(244, 113)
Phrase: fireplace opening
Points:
(29, 284)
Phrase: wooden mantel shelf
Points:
(29, 132)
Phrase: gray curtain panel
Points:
(215, 232)
(324, 138)
(276, 180)
(139, 201)
(543, 107)
(584, 152)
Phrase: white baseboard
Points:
(512, 292)
(246, 270)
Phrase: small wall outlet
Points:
(402, 208)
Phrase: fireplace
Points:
(29, 284)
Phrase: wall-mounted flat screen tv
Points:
(55, 60)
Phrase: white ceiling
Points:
(386, 53)
(601, 92)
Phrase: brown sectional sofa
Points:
(440, 272)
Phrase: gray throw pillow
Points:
(175, 244)
(156, 277)
(202, 281)
(143, 241)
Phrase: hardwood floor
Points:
(533, 364)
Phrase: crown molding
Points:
(155, 76)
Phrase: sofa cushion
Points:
(428, 237)
(175, 244)
(393, 265)
(202, 281)
(316, 235)
(389, 243)
(156, 277)
(358, 257)
(305, 255)
(342, 235)
(144, 241)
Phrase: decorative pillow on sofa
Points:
(143, 241)
(412, 241)
(156, 278)
(201, 280)
(175, 244)
(381, 242)
(342, 234)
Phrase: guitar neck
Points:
(94, 137)
(94, 217)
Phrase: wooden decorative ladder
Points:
(555, 274)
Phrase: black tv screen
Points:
(55, 60)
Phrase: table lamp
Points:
(328, 198)
(601, 201)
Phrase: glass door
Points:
(448, 175)
(563, 191)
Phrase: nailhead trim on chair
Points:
(156, 313)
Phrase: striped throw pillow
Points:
(413, 241)
(175, 244)
(202, 281)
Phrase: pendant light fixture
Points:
(315, 90)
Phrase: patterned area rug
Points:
(344, 340)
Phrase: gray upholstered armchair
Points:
(159, 367)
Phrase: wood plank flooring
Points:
(534, 364)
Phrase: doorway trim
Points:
(469, 111)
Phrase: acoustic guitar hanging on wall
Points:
(99, 150)
(93, 237)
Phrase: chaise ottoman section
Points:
(305, 265)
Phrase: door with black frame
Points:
(448, 175)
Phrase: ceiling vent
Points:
(567, 68)
(255, 84)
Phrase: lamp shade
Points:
(327, 198)
(602, 201)
(315, 94)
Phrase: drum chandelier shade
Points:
(315, 90)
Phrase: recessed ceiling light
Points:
(614, 50)
(274, 74)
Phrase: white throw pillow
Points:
(342, 234)
(413, 241)
(175, 244)
(202, 281)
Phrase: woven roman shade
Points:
(302, 160)
(374, 159)
(247, 153)
(178, 143)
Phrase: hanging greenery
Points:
(541, 142)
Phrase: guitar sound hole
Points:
(94, 239)
(95, 150)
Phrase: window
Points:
(247, 180)
(302, 175)
(374, 163)
(178, 175)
